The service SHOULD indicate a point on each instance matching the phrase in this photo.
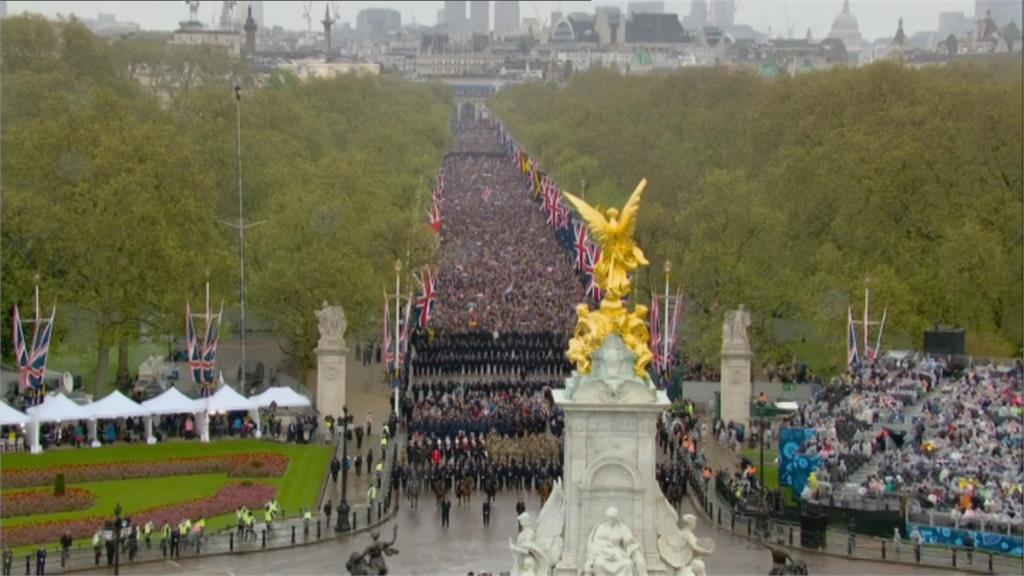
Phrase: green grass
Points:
(134, 495)
(771, 471)
(298, 488)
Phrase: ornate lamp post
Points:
(343, 508)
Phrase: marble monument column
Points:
(736, 388)
(331, 355)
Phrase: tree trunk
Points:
(123, 375)
(102, 360)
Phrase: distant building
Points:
(698, 16)
(576, 27)
(195, 35)
(480, 17)
(723, 13)
(440, 16)
(648, 7)
(242, 12)
(317, 68)
(378, 24)
(846, 28)
(609, 26)
(1001, 11)
(455, 18)
(506, 18)
(647, 28)
(3, 8)
(108, 26)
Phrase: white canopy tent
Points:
(282, 396)
(226, 399)
(56, 407)
(11, 416)
(172, 401)
(114, 405)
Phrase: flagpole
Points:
(866, 303)
(878, 342)
(664, 335)
(397, 336)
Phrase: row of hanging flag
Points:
(417, 315)
(570, 232)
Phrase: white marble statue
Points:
(538, 548)
(734, 329)
(612, 550)
(332, 326)
(679, 547)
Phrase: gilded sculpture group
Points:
(620, 255)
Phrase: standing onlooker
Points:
(369, 424)
(446, 512)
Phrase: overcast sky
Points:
(877, 18)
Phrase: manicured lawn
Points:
(134, 495)
(298, 488)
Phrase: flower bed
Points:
(244, 465)
(226, 500)
(30, 502)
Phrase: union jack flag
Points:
(20, 350)
(579, 234)
(389, 352)
(852, 357)
(562, 219)
(210, 342)
(426, 298)
(655, 330)
(593, 257)
(195, 360)
(40, 348)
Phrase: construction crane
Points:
(307, 14)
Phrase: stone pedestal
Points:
(610, 429)
(736, 388)
(610, 461)
(331, 354)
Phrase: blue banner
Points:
(794, 467)
(987, 541)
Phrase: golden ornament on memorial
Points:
(620, 255)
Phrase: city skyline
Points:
(784, 18)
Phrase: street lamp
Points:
(117, 539)
(396, 337)
(343, 509)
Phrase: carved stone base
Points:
(610, 461)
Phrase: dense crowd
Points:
(967, 457)
(481, 353)
(506, 408)
(502, 268)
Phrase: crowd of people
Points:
(485, 354)
(967, 456)
(507, 408)
(502, 268)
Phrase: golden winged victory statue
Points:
(620, 255)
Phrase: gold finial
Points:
(620, 255)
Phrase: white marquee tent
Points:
(11, 416)
(226, 399)
(114, 405)
(283, 396)
(55, 408)
(172, 401)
